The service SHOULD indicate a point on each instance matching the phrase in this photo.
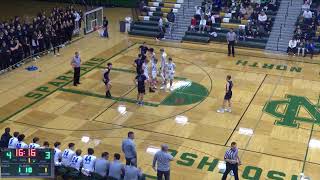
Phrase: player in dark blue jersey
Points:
(106, 79)
(140, 81)
(138, 63)
(227, 97)
(143, 49)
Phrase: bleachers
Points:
(147, 24)
(222, 26)
(310, 31)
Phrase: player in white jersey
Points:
(145, 68)
(76, 160)
(57, 154)
(163, 63)
(75, 166)
(21, 144)
(67, 155)
(34, 144)
(152, 55)
(154, 74)
(170, 70)
(13, 141)
(88, 163)
(46, 145)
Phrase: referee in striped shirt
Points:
(232, 161)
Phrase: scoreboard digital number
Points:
(26, 163)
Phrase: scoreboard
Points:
(26, 163)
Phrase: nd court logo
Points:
(293, 110)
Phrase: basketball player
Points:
(34, 144)
(143, 49)
(140, 81)
(75, 164)
(138, 64)
(13, 141)
(154, 74)
(227, 97)
(170, 71)
(145, 68)
(57, 154)
(67, 155)
(106, 79)
(152, 54)
(21, 144)
(88, 163)
(46, 145)
(162, 71)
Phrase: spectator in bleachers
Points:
(310, 47)
(193, 24)
(5, 56)
(307, 15)
(116, 168)
(305, 6)
(202, 24)
(301, 47)
(262, 17)
(198, 13)
(171, 18)
(36, 38)
(292, 47)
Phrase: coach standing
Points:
(232, 161)
(129, 149)
(231, 39)
(162, 158)
(75, 63)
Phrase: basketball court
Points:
(275, 118)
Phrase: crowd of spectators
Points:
(304, 36)
(258, 23)
(24, 38)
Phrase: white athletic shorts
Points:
(147, 76)
(170, 76)
(154, 74)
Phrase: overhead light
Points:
(246, 131)
(183, 120)
(122, 109)
(85, 139)
(152, 150)
(314, 143)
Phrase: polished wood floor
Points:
(272, 94)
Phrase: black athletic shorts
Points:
(141, 90)
(228, 95)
